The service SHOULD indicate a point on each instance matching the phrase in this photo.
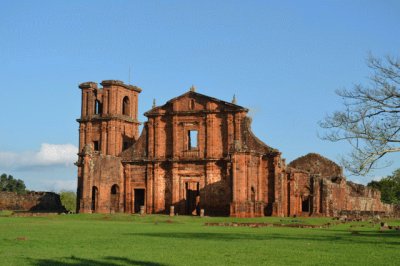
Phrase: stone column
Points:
(234, 177)
(316, 195)
(127, 189)
(230, 132)
(136, 96)
(86, 185)
(150, 127)
(277, 205)
(117, 102)
(156, 202)
(247, 174)
(111, 138)
(110, 108)
(84, 103)
(259, 180)
(105, 102)
(82, 134)
(149, 188)
(206, 201)
(88, 135)
(237, 125)
(209, 136)
(90, 103)
(174, 138)
(157, 137)
(104, 138)
(175, 184)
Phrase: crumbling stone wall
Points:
(331, 193)
(316, 164)
(197, 152)
(31, 201)
(396, 211)
(348, 197)
(228, 171)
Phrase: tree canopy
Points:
(9, 183)
(389, 187)
(370, 120)
(68, 200)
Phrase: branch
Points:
(370, 122)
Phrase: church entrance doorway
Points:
(138, 199)
(305, 205)
(192, 198)
(114, 199)
(95, 197)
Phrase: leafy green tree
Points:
(68, 200)
(389, 187)
(9, 183)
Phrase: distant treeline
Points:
(389, 187)
(10, 184)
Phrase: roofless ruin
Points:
(197, 152)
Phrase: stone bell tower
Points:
(108, 120)
(107, 126)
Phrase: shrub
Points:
(68, 200)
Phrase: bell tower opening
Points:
(97, 108)
(126, 106)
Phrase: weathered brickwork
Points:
(31, 201)
(323, 190)
(195, 152)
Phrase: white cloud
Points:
(48, 155)
(57, 154)
(59, 185)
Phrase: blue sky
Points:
(282, 59)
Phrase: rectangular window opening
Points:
(96, 145)
(125, 145)
(192, 139)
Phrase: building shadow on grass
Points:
(349, 236)
(105, 261)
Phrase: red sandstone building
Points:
(197, 152)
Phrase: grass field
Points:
(98, 239)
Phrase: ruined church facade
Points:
(197, 152)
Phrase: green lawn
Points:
(160, 240)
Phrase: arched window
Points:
(97, 107)
(114, 190)
(191, 105)
(126, 106)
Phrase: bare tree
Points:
(370, 121)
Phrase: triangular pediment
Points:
(192, 101)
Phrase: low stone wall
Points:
(396, 211)
(247, 209)
(364, 214)
(31, 201)
(349, 198)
